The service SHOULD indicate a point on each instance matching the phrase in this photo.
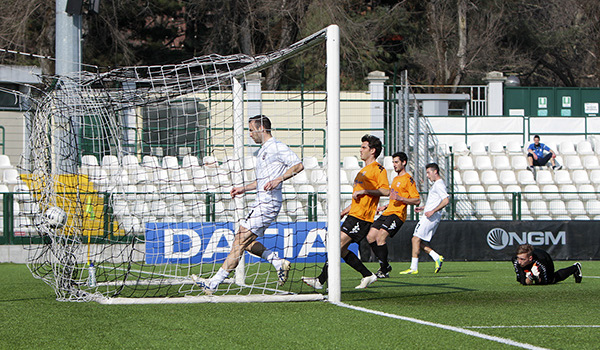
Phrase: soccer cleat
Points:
(438, 264)
(282, 273)
(578, 275)
(366, 281)
(312, 282)
(409, 272)
(202, 283)
(384, 272)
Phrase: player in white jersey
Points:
(437, 199)
(275, 163)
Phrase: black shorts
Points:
(355, 228)
(390, 223)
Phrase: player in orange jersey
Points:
(403, 192)
(370, 183)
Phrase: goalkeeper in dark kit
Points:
(535, 266)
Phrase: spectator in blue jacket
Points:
(538, 154)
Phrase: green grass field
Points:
(464, 294)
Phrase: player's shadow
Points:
(449, 289)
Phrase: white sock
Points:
(217, 279)
(414, 264)
(434, 255)
(273, 258)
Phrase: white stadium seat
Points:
(519, 162)
(150, 162)
(580, 177)
(465, 163)
(502, 207)
(551, 192)
(89, 160)
(483, 163)
(351, 163)
(189, 161)
(510, 190)
(568, 192)
(489, 177)
(566, 148)
(459, 148)
(573, 162)
(595, 176)
(310, 163)
(170, 162)
(318, 177)
(478, 149)
(507, 177)
(514, 148)
(562, 177)
(544, 177)
(576, 207)
(593, 207)
(477, 192)
(586, 192)
(457, 177)
(532, 192)
(525, 177)
(495, 192)
(110, 162)
(502, 163)
(590, 162)
(483, 208)
(584, 147)
(388, 163)
(538, 207)
(496, 148)
(557, 208)
(470, 177)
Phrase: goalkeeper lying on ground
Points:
(535, 266)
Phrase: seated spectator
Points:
(536, 156)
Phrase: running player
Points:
(370, 183)
(275, 163)
(437, 199)
(402, 193)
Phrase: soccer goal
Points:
(130, 171)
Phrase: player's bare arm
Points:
(382, 208)
(345, 212)
(241, 190)
(440, 206)
(407, 201)
(291, 172)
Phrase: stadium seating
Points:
(478, 149)
(483, 163)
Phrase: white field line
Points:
(538, 326)
(443, 326)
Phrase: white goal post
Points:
(141, 160)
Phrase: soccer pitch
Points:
(468, 305)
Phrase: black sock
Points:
(323, 276)
(381, 251)
(353, 260)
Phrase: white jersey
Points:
(273, 159)
(437, 193)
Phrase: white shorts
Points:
(260, 218)
(425, 228)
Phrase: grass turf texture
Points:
(464, 294)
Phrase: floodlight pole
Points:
(333, 163)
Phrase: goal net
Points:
(129, 174)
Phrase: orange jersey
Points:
(371, 177)
(402, 186)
